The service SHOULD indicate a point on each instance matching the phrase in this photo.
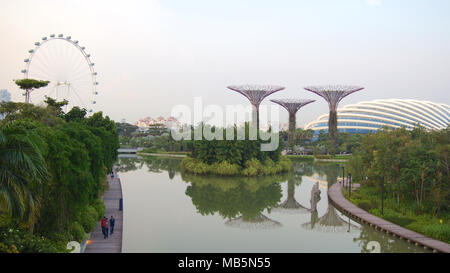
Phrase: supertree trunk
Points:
(333, 94)
(333, 132)
(292, 106)
(291, 135)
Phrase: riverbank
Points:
(113, 244)
(337, 198)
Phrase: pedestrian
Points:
(106, 228)
(112, 222)
(103, 225)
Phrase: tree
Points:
(21, 164)
(29, 85)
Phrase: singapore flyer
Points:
(66, 64)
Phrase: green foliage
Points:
(194, 166)
(88, 218)
(252, 167)
(414, 165)
(99, 207)
(77, 232)
(224, 168)
(30, 84)
(18, 240)
(53, 165)
(21, 165)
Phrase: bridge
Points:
(129, 150)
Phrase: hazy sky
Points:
(152, 55)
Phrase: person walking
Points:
(103, 225)
(106, 228)
(112, 222)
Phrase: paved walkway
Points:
(114, 242)
(340, 202)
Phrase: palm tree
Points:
(22, 165)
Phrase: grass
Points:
(301, 157)
(405, 214)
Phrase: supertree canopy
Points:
(333, 94)
(256, 94)
(292, 106)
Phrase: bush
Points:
(88, 218)
(77, 232)
(100, 208)
(224, 168)
(15, 240)
(253, 167)
(194, 166)
(438, 231)
(366, 205)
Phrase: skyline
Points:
(154, 55)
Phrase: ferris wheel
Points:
(67, 66)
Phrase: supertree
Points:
(333, 94)
(256, 94)
(290, 205)
(292, 106)
(259, 221)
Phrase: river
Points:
(168, 211)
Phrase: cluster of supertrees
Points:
(333, 94)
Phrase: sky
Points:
(153, 55)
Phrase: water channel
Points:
(167, 210)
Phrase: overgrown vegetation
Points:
(234, 157)
(52, 171)
(415, 168)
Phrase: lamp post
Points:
(382, 195)
(343, 177)
(349, 185)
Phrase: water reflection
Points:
(387, 244)
(293, 216)
(240, 200)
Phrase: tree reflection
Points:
(160, 164)
(329, 170)
(241, 200)
(129, 163)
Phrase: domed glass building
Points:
(369, 116)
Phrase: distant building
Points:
(370, 116)
(160, 122)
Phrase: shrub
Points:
(224, 168)
(88, 218)
(77, 233)
(15, 240)
(195, 166)
(100, 207)
(366, 205)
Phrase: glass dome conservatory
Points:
(369, 116)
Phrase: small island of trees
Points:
(234, 157)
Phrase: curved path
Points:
(352, 211)
(114, 242)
